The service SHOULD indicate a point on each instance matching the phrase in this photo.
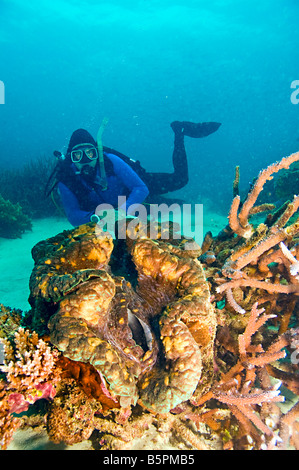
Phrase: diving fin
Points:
(192, 129)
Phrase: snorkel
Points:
(85, 164)
(103, 181)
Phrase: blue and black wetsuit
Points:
(80, 197)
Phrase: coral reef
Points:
(10, 321)
(141, 335)
(286, 184)
(26, 185)
(70, 416)
(30, 375)
(13, 222)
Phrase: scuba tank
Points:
(134, 164)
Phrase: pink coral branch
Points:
(273, 288)
(232, 302)
(252, 255)
(234, 221)
(252, 326)
(263, 177)
(249, 399)
(254, 418)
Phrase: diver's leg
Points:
(158, 183)
(180, 164)
(162, 183)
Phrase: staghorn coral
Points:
(249, 258)
(255, 265)
(239, 221)
(236, 390)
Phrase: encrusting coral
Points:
(142, 334)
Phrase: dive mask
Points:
(80, 150)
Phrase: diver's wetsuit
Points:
(162, 183)
(123, 181)
(80, 196)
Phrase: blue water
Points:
(68, 64)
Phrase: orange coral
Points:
(89, 380)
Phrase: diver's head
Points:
(84, 156)
(83, 152)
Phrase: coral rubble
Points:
(139, 334)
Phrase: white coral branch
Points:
(294, 268)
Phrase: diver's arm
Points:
(130, 179)
(75, 215)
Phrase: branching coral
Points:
(236, 388)
(255, 266)
(30, 374)
(239, 221)
(254, 258)
(29, 362)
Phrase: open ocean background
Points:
(68, 64)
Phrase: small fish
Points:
(208, 257)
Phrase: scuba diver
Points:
(91, 174)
